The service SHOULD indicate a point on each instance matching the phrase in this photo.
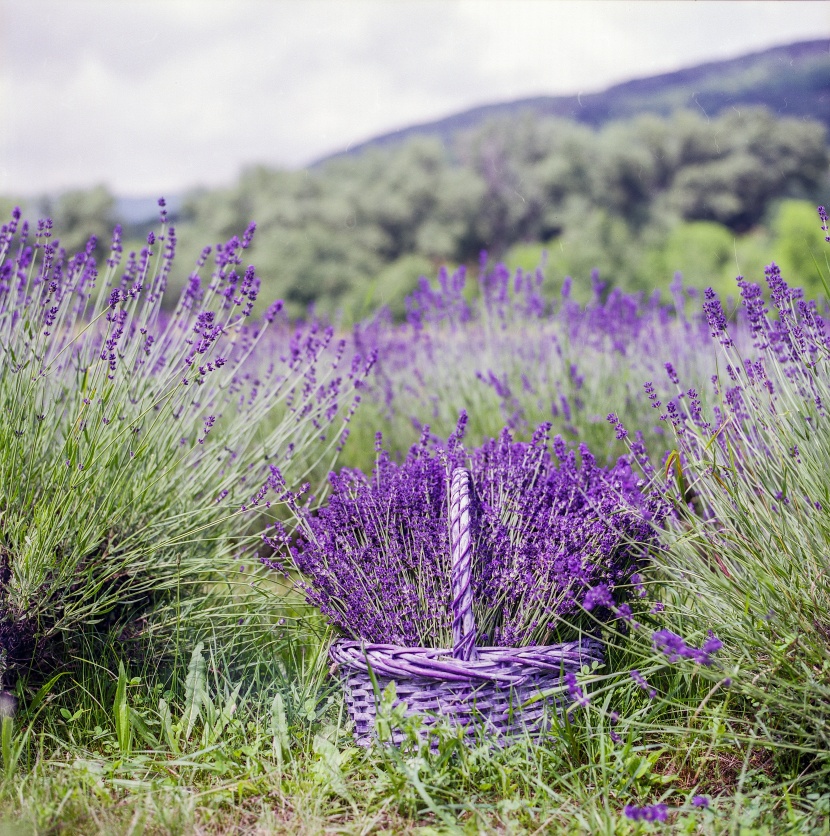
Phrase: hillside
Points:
(792, 80)
(707, 170)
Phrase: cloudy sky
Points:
(154, 96)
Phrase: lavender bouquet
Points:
(549, 529)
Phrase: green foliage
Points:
(392, 285)
(799, 245)
(704, 248)
(271, 751)
(708, 253)
(324, 237)
(603, 242)
(746, 543)
(80, 213)
(748, 159)
(608, 198)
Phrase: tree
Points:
(79, 214)
(800, 249)
(759, 158)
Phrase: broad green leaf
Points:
(195, 689)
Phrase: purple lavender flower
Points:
(637, 584)
(575, 692)
(624, 612)
(650, 812)
(618, 426)
(108, 362)
(548, 539)
(248, 235)
(643, 683)
(715, 316)
(671, 644)
(675, 647)
(652, 395)
(712, 645)
(598, 596)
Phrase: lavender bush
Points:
(550, 535)
(132, 441)
(510, 354)
(748, 540)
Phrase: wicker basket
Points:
(483, 689)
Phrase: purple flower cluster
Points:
(775, 351)
(650, 812)
(675, 647)
(575, 692)
(549, 530)
(149, 416)
(643, 683)
(529, 355)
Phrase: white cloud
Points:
(151, 96)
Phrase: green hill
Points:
(792, 80)
(710, 170)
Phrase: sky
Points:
(153, 97)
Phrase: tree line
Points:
(358, 231)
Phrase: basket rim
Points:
(507, 665)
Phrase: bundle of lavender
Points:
(553, 534)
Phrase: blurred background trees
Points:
(639, 199)
(79, 214)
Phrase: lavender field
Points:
(202, 500)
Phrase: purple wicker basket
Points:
(483, 689)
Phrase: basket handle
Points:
(463, 622)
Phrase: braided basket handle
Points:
(463, 622)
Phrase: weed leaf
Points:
(195, 689)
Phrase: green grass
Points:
(259, 743)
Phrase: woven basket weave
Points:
(483, 689)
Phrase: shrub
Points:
(747, 543)
(510, 354)
(131, 442)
